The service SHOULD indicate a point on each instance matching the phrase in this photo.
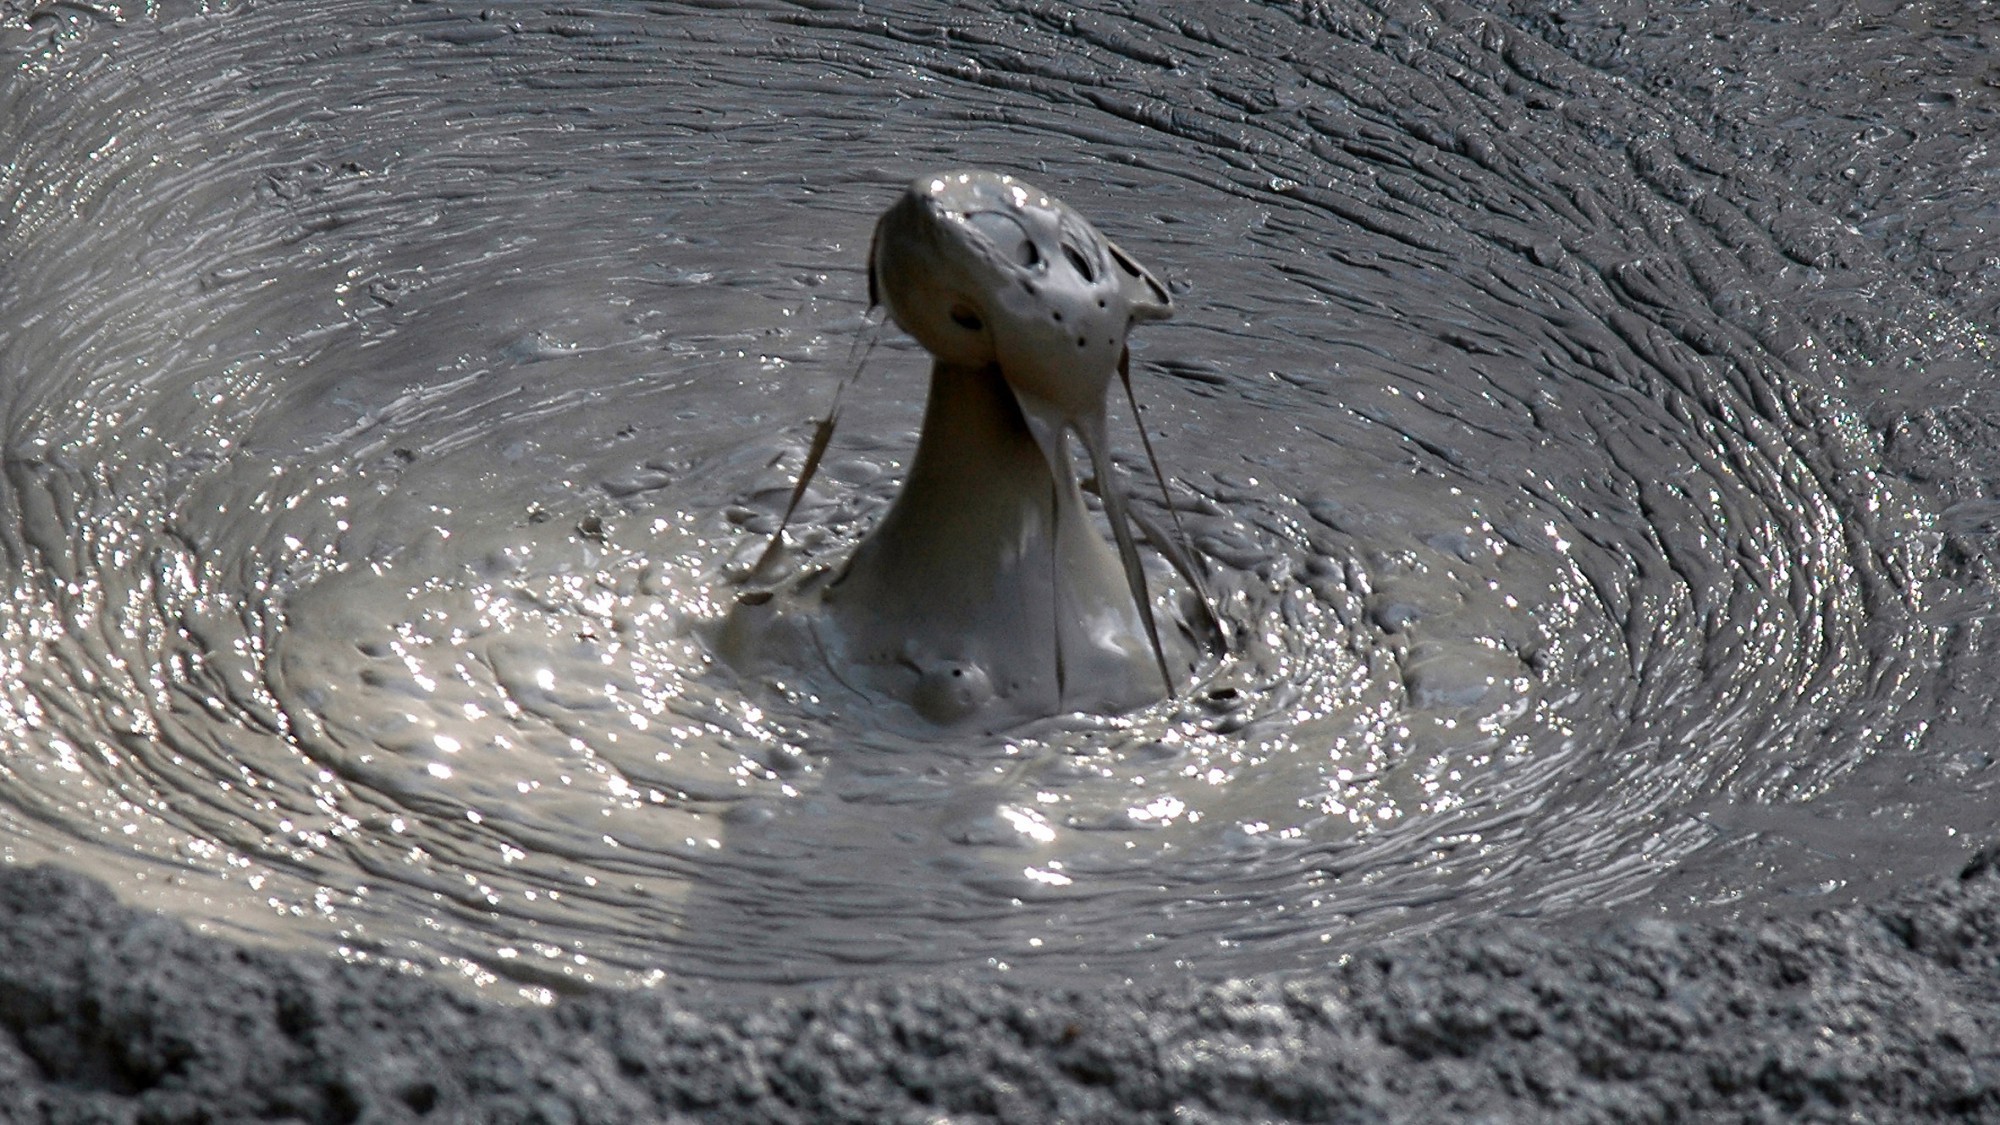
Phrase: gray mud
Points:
(1884, 1013)
(1602, 399)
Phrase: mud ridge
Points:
(1876, 1014)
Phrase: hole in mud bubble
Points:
(1079, 263)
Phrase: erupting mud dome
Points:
(986, 596)
(396, 401)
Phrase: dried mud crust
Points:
(1879, 1014)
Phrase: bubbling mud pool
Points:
(394, 399)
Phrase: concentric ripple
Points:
(393, 397)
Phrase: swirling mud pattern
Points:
(395, 400)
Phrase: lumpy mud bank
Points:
(1584, 419)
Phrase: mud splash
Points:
(392, 399)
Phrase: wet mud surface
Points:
(1588, 416)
